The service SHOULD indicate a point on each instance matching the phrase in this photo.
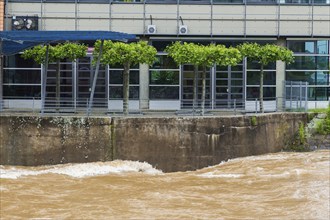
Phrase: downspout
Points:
(90, 103)
(44, 81)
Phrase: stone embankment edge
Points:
(168, 143)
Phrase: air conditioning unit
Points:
(28, 23)
(151, 29)
(183, 29)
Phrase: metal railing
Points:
(103, 106)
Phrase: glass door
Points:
(187, 100)
(229, 87)
(85, 75)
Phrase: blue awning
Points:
(15, 41)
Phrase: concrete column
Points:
(280, 77)
(144, 86)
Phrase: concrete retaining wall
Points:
(168, 143)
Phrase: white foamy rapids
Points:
(220, 175)
(81, 170)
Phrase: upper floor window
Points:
(309, 47)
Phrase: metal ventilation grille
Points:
(29, 23)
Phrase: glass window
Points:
(164, 77)
(22, 76)
(116, 77)
(261, 1)
(301, 46)
(161, 45)
(309, 63)
(322, 47)
(253, 92)
(303, 63)
(227, 1)
(304, 76)
(116, 92)
(21, 91)
(253, 78)
(256, 65)
(313, 47)
(17, 61)
(318, 93)
(164, 92)
(296, 1)
(164, 62)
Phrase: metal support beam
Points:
(110, 14)
(76, 15)
(1, 76)
(44, 81)
(90, 103)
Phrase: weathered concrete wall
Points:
(168, 143)
(173, 144)
(41, 140)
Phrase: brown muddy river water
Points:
(274, 186)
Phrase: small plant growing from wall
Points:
(323, 126)
(254, 121)
(299, 143)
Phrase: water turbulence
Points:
(273, 186)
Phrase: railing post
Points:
(306, 96)
(291, 96)
(88, 107)
(276, 107)
(300, 94)
(256, 106)
(235, 106)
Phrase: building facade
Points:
(301, 25)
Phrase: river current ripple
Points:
(273, 186)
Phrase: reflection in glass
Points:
(116, 92)
(318, 93)
(164, 77)
(253, 92)
(164, 92)
(164, 62)
(22, 76)
(312, 77)
(116, 77)
(253, 78)
(256, 65)
(21, 91)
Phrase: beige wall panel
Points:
(321, 28)
(59, 24)
(128, 26)
(93, 25)
(257, 12)
(228, 12)
(24, 8)
(299, 28)
(195, 12)
(290, 12)
(59, 10)
(228, 28)
(99, 11)
(198, 27)
(261, 27)
(127, 11)
(321, 13)
(1, 15)
(165, 26)
(161, 11)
